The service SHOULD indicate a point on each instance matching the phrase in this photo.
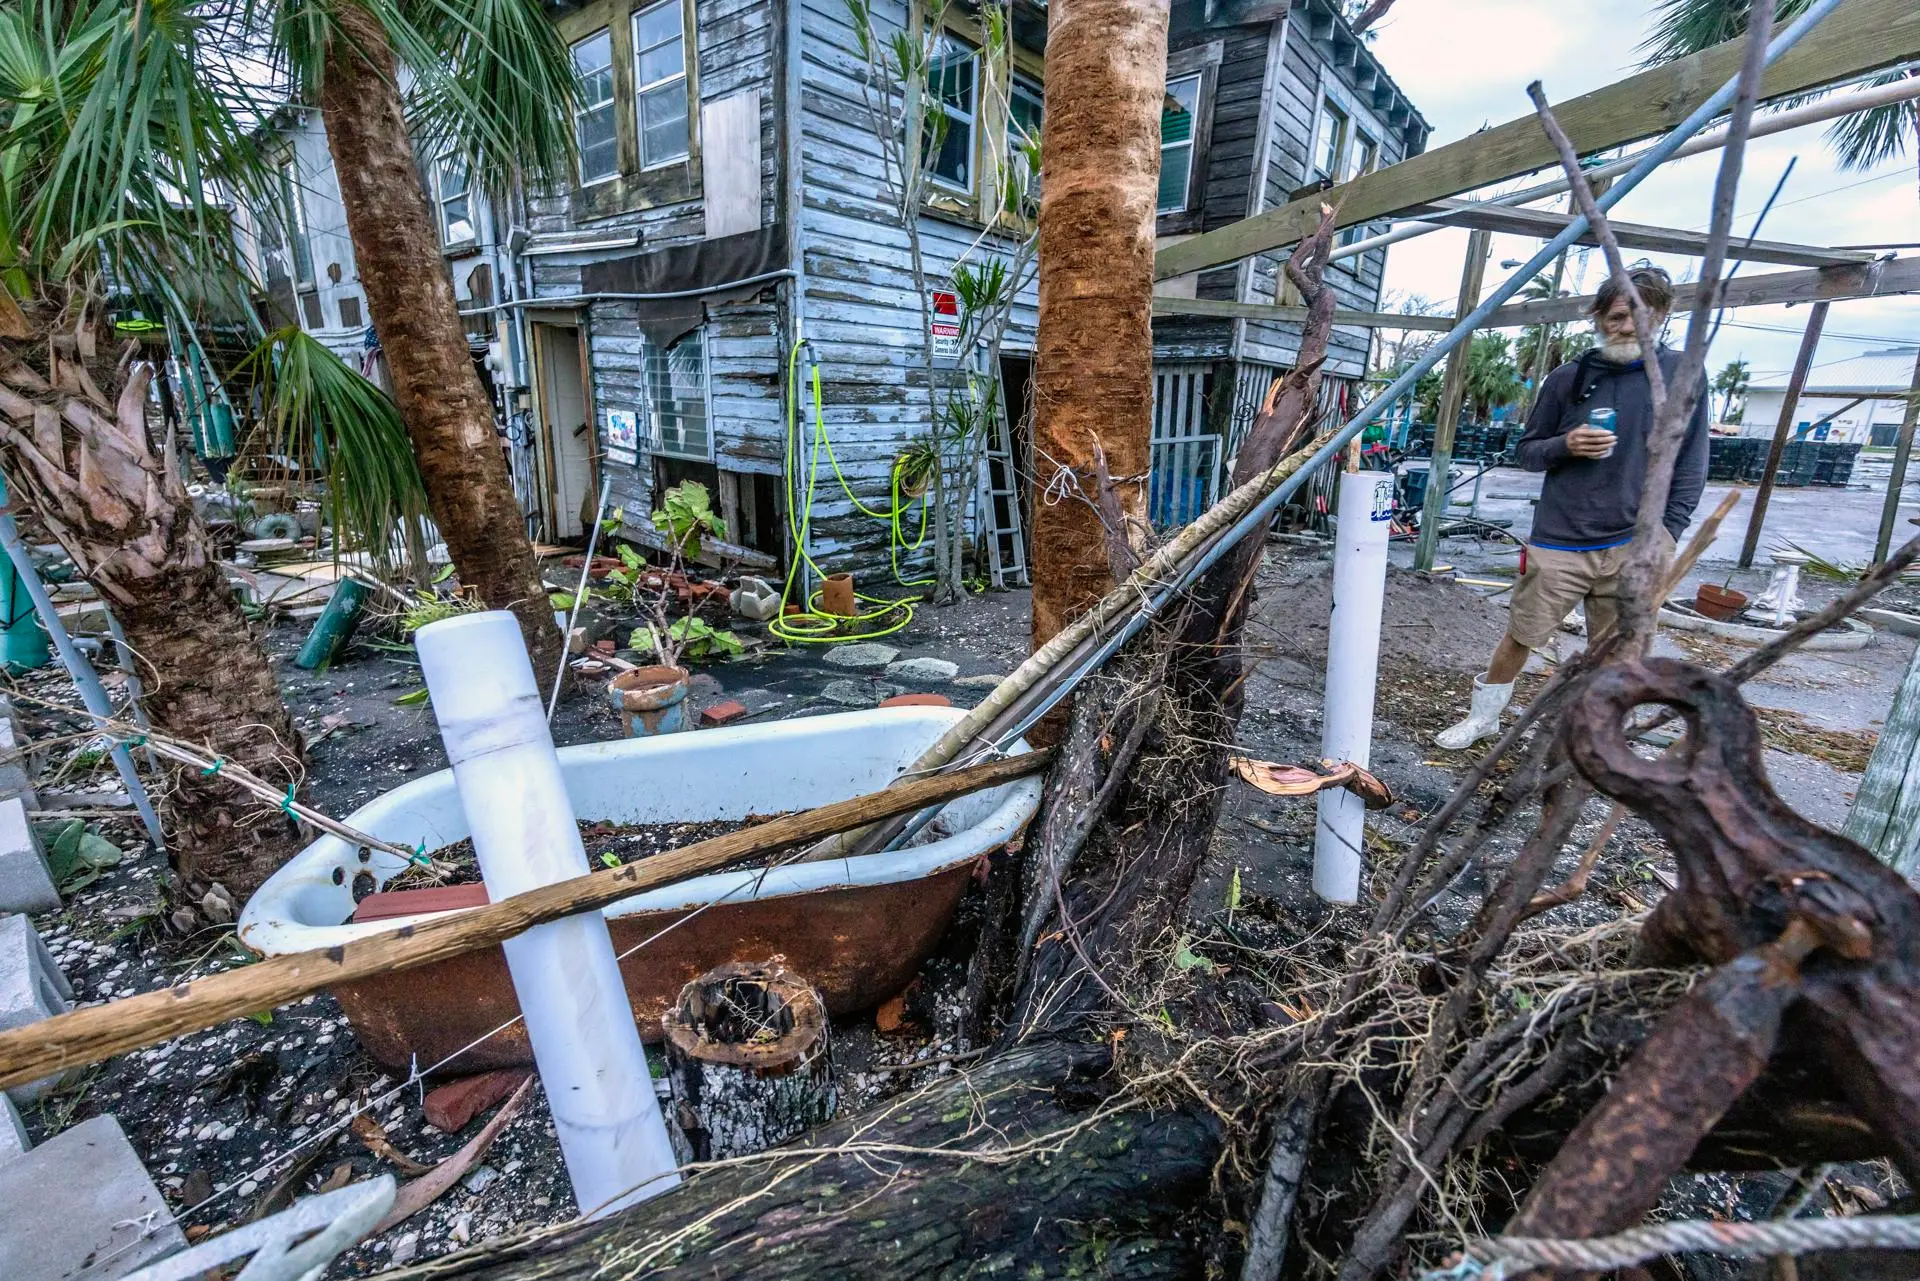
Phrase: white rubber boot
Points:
(1483, 721)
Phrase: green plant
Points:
(692, 639)
(916, 463)
(428, 608)
(1834, 571)
(686, 516)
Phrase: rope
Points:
(1500, 1258)
(810, 625)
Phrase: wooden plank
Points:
(1809, 343)
(86, 1036)
(1453, 389)
(1886, 811)
(1860, 36)
(1833, 284)
(1547, 223)
(1897, 480)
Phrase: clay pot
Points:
(836, 596)
(1718, 603)
(651, 700)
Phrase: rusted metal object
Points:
(857, 946)
(1304, 780)
(650, 700)
(1806, 927)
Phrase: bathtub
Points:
(857, 928)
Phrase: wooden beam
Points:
(86, 1036)
(1453, 391)
(1831, 284)
(1545, 224)
(1802, 363)
(1860, 36)
(1897, 481)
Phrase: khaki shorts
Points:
(1556, 581)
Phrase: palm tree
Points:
(129, 143)
(1862, 140)
(1731, 382)
(1493, 379)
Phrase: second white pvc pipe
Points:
(585, 1042)
(1353, 663)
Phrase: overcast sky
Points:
(1466, 63)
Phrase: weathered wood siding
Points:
(738, 42)
(863, 316)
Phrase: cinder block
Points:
(13, 1132)
(26, 883)
(31, 988)
(16, 776)
(81, 1207)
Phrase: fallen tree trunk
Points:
(1017, 1168)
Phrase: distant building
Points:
(1884, 376)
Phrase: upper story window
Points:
(456, 202)
(300, 255)
(1330, 146)
(676, 380)
(947, 144)
(660, 83)
(1025, 109)
(1362, 156)
(1177, 111)
(593, 123)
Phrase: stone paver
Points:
(14, 777)
(985, 680)
(13, 1134)
(923, 671)
(26, 884)
(862, 656)
(857, 693)
(78, 1208)
(31, 988)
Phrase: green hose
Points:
(810, 626)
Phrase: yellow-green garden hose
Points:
(811, 625)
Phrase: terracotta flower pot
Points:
(651, 700)
(1718, 603)
(836, 596)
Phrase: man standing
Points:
(1588, 432)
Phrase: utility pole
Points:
(1816, 321)
(1452, 392)
(1902, 451)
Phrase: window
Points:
(456, 202)
(1364, 153)
(676, 380)
(593, 123)
(310, 313)
(660, 84)
(350, 313)
(1177, 112)
(946, 148)
(302, 255)
(1330, 147)
(1025, 108)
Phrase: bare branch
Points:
(1370, 15)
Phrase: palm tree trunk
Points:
(396, 244)
(78, 454)
(1093, 368)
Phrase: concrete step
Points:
(31, 988)
(81, 1207)
(26, 883)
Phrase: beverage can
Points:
(1603, 420)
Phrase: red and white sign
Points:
(945, 325)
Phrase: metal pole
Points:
(1902, 451)
(580, 591)
(1816, 321)
(1452, 392)
(92, 693)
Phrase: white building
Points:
(1883, 377)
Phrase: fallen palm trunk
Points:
(87, 1036)
(1018, 1167)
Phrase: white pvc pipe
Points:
(585, 1042)
(1353, 660)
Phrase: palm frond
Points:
(315, 408)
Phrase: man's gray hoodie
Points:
(1590, 503)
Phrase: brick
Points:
(26, 883)
(13, 1134)
(31, 988)
(917, 700)
(78, 1209)
(451, 1106)
(439, 898)
(15, 778)
(723, 713)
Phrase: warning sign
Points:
(945, 321)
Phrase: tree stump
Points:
(748, 1059)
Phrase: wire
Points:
(809, 624)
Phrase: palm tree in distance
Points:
(1731, 382)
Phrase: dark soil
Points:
(607, 845)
